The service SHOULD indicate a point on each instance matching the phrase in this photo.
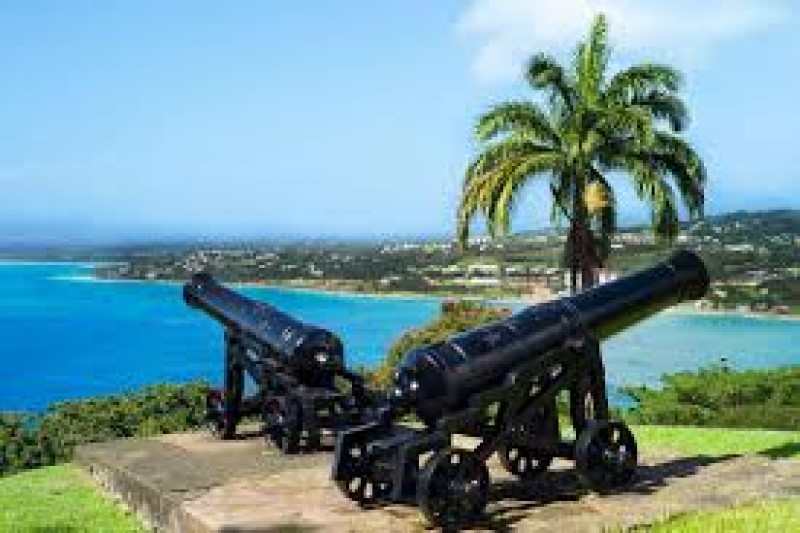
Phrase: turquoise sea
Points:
(64, 335)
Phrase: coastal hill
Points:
(753, 258)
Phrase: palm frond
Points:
(665, 106)
(516, 117)
(494, 193)
(495, 154)
(499, 205)
(666, 219)
(545, 73)
(642, 79)
(629, 125)
(592, 61)
(677, 158)
(468, 207)
(477, 194)
(652, 187)
(560, 184)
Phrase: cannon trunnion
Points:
(297, 369)
(501, 383)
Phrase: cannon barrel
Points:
(435, 379)
(293, 342)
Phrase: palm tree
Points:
(590, 125)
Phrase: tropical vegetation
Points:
(721, 397)
(587, 127)
(34, 440)
(454, 317)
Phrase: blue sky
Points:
(157, 119)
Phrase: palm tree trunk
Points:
(582, 257)
(588, 278)
(580, 242)
(573, 277)
(573, 256)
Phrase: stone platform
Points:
(192, 483)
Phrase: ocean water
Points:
(64, 335)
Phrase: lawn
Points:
(59, 498)
(761, 517)
(718, 441)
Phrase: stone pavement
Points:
(192, 483)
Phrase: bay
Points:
(64, 335)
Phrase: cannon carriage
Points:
(302, 386)
(500, 384)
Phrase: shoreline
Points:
(339, 292)
(28, 263)
(684, 309)
(688, 309)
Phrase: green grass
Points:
(718, 441)
(763, 517)
(59, 499)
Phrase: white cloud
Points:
(507, 31)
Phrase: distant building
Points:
(477, 282)
(744, 247)
(604, 275)
(483, 269)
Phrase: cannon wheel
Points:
(524, 460)
(357, 482)
(606, 455)
(283, 419)
(215, 418)
(453, 488)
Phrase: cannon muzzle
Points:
(614, 306)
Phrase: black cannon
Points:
(501, 383)
(302, 384)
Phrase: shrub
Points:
(29, 441)
(719, 396)
(454, 317)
